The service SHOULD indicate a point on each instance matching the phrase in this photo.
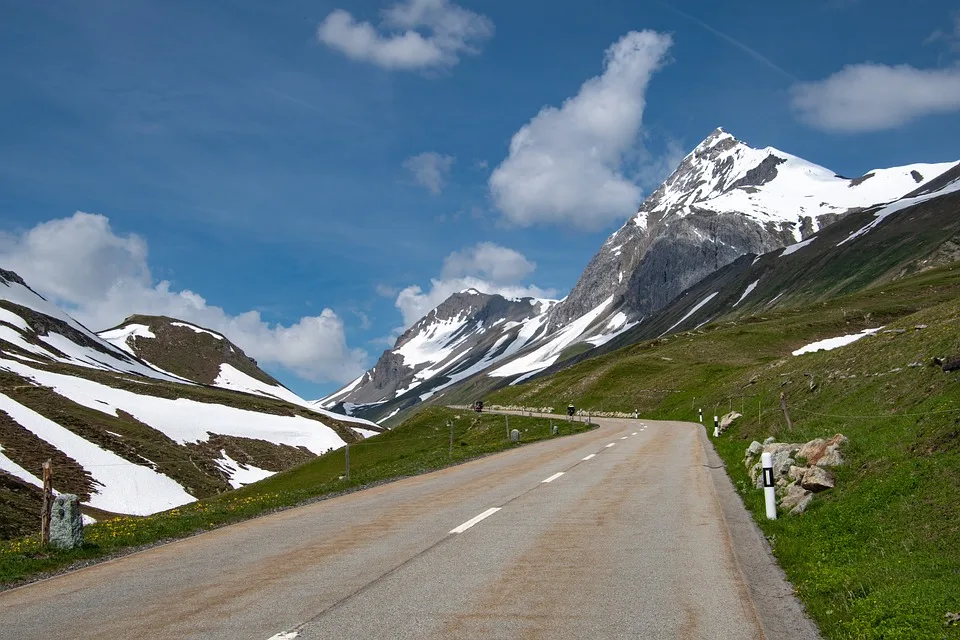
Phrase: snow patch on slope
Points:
(691, 312)
(833, 343)
(796, 247)
(196, 329)
(11, 467)
(184, 420)
(747, 291)
(13, 319)
(123, 336)
(900, 205)
(615, 326)
(124, 487)
(241, 474)
(232, 378)
(547, 354)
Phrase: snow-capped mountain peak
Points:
(724, 199)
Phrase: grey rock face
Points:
(760, 174)
(817, 479)
(782, 463)
(66, 522)
(801, 505)
(797, 473)
(832, 458)
(794, 495)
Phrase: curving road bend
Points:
(630, 530)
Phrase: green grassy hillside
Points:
(879, 556)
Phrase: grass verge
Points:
(420, 445)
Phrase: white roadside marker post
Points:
(346, 459)
(701, 416)
(769, 493)
(716, 427)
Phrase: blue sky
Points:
(286, 171)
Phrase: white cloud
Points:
(429, 169)
(100, 278)
(566, 165)
(873, 97)
(417, 34)
(489, 261)
(486, 267)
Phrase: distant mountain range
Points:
(725, 200)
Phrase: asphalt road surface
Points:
(628, 531)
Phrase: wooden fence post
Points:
(786, 413)
(47, 502)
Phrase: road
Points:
(630, 530)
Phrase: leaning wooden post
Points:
(786, 414)
(47, 502)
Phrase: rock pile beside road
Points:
(800, 469)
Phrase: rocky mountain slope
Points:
(725, 200)
(129, 437)
(195, 354)
(918, 232)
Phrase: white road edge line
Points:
(553, 477)
(610, 445)
(592, 455)
(472, 521)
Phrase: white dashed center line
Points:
(285, 635)
(592, 455)
(472, 521)
(624, 437)
(610, 445)
(634, 433)
(553, 477)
